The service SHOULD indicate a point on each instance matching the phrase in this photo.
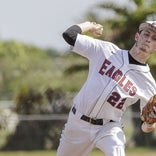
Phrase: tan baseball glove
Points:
(148, 114)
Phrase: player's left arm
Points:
(148, 115)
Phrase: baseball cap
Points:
(148, 25)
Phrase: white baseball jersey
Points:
(112, 83)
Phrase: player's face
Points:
(146, 41)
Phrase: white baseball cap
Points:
(148, 25)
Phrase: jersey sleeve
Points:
(91, 48)
(71, 33)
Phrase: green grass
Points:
(29, 153)
(129, 152)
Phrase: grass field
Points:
(129, 152)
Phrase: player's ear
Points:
(136, 36)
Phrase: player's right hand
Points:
(97, 29)
(92, 27)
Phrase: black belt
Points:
(90, 120)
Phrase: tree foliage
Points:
(26, 66)
(28, 76)
(38, 134)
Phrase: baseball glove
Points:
(148, 114)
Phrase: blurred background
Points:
(39, 76)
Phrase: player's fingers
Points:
(99, 26)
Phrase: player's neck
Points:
(134, 61)
(138, 55)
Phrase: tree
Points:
(25, 74)
(37, 134)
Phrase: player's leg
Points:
(75, 138)
(112, 142)
(109, 148)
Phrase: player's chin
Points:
(144, 49)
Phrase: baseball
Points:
(98, 32)
(147, 128)
(97, 29)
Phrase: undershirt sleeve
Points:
(70, 34)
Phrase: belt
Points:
(91, 120)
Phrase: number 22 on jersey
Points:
(116, 101)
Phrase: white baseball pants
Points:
(80, 137)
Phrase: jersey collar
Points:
(134, 66)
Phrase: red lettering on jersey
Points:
(133, 91)
(117, 75)
(114, 98)
(110, 71)
(122, 80)
(104, 66)
(120, 105)
(128, 85)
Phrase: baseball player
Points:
(117, 78)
